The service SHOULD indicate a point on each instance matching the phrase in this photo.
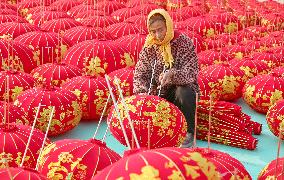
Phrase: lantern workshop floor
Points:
(254, 161)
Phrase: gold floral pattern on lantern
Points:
(100, 101)
(163, 116)
(13, 62)
(56, 169)
(208, 32)
(127, 60)
(95, 67)
(148, 172)
(6, 158)
(16, 91)
(125, 86)
(230, 28)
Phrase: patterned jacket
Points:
(185, 67)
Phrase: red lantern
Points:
(47, 46)
(226, 21)
(109, 6)
(11, 30)
(64, 5)
(12, 113)
(145, 8)
(59, 25)
(173, 5)
(133, 43)
(176, 163)
(98, 57)
(209, 86)
(166, 122)
(197, 40)
(210, 57)
(13, 143)
(201, 25)
(67, 113)
(124, 13)
(42, 17)
(55, 74)
(274, 118)
(7, 12)
(35, 10)
(273, 40)
(271, 59)
(79, 17)
(11, 18)
(16, 56)
(273, 21)
(237, 51)
(77, 159)
(140, 21)
(263, 91)
(74, 11)
(98, 21)
(20, 174)
(231, 78)
(273, 170)
(8, 6)
(250, 67)
(24, 6)
(122, 29)
(83, 33)
(279, 71)
(92, 93)
(17, 83)
(125, 80)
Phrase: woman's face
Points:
(158, 30)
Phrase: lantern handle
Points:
(117, 111)
(30, 136)
(45, 137)
(127, 111)
(101, 118)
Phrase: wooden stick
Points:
(127, 112)
(45, 137)
(30, 136)
(117, 112)
(101, 118)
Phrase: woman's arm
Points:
(142, 73)
(188, 72)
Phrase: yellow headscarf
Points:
(165, 46)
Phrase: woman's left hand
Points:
(166, 78)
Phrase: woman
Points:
(168, 64)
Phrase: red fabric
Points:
(274, 118)
(197, 40)
(13, 140)
(263, 91)
(118, 30)
(55, 74)
(209, 86)
(67, 113)
(63, 5)
(14, 29)
(74, 11)
(210, 57)
(59, 25)
(81, 159)
(41, 18)
(279, 71)
(97, 58)
(109, 6)
(124, 13)
(13, 113)
(188, 164)
(17, 83)
(272, 170)
(92, 93)
(166, 121)
(99, 21)
(21, 56)
(47, 46)
(20, 174)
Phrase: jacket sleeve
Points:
(142, 73)
(188, 71)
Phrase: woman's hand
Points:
(165, 78)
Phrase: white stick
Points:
(42, 146)
(30, 137)
(159, 93)
(152, 77)
(127, 113)
(101, 118)
(117, 111)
